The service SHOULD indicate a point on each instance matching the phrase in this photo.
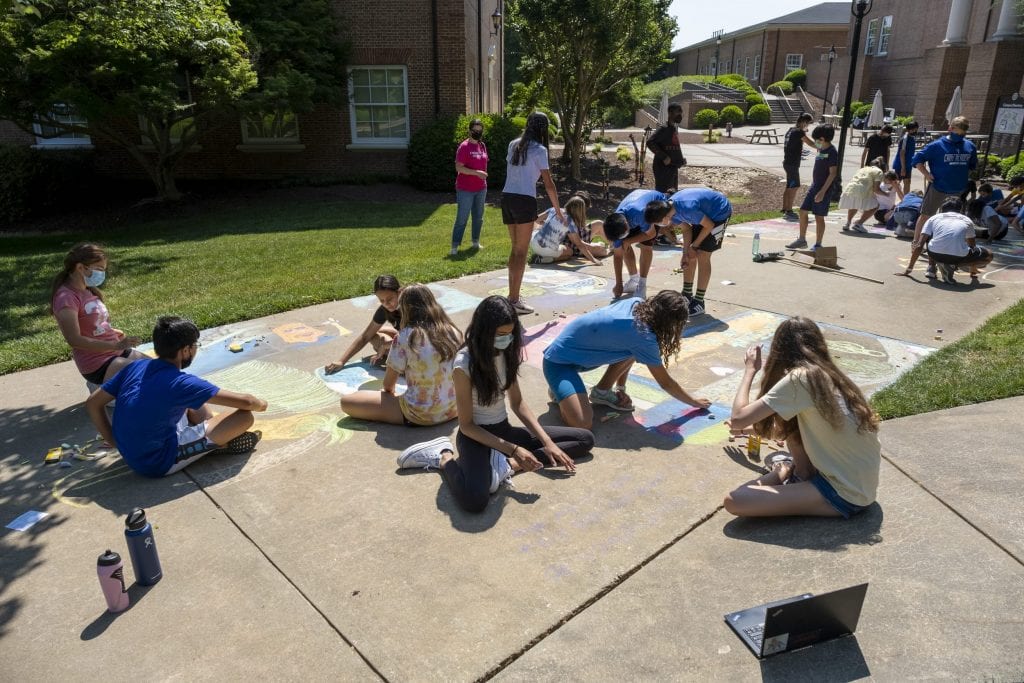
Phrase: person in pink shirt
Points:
(99, 349)
(470, 185)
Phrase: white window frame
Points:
(884, 35)
(871, 42)
(728, 63)
(76, 140)
(377, 143)
(799, 61)
(746, 68)
(757, 67)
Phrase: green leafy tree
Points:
(587, 49)
(161, 72)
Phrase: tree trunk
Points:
(166, 187)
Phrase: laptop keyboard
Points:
(755, 633)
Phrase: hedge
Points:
(759, 115)
(431, 157)
(796, 77)
(35, 181)
(754, 98)
(706, 118)
(731, 114)
(785, 86)
(1014, 171)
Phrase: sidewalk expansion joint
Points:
(287, 578)
(615, 583)
(954, 511)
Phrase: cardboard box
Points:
(826, 256)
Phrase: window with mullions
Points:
(379, 105)
(883, 35)
(50, 133)
(871, 43)
(280, 127)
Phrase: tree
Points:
(126, 70)
(587, 49)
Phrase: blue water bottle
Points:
(142, 548)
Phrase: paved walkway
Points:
(313, 558)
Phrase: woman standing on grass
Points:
(382, 329)
(470, 185)
(829, 427)
(423, 352)
(486, 373)
(99, 350)
(527, 162)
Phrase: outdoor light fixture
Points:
(718, 44)
(496, 20)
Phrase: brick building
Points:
(766, 52)
(410, 63)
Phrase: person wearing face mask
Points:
(490, 450)
(163, 422)
(470, 185)
(381, 331)
(98, 348)
(668, 153)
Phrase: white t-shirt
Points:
(494, 412)
(522, 178)
(886, 200)
(949, 233)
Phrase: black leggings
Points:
(469, 475)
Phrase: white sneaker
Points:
(426, 455)
(477, 245)
(641, 290)
(859, 227)
(522, 308)
(903, 232)
(454, 251)
(501, 471)
(631, 284)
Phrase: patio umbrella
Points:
(877, 117)
(955, 104)
(835, 99)
(663, 109)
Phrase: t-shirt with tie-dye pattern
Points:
(430, 396)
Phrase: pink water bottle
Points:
(110, 569)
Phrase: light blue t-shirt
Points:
(554, 232)
(691, 204)
(603, 337)
(633, 204)
(522, 179)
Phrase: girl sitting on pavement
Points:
(423, 352)
(831, 431)
(99, 349)
(557, 241)
(490, 450)
(382, 329)
(860, 194)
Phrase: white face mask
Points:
(95, 277)
(502, 341)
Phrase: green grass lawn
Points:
(985, 365)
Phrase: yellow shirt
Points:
(847, 458)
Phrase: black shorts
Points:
(97, 376)
(792, 175)
(713, 242)
(973, 255)
(517, 209)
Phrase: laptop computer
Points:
(799, 621)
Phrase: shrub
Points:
(785, 86)
(796, 77)
(33, 181)
(705, 118)
(903, 120)
(431, 157)
(1014, 171)
(863, 111)
(622, 154)
(754, 98)
(731, 114)
(759, 115)
(1004, 166)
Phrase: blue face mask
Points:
(95, 278)
(956, 137)
(502, 341)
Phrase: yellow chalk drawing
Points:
(848, 347)
(342, 331)
(710, 436)
(286, 390)
(299, 426)
(298, 333)
(524, 290)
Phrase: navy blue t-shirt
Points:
(823, 163)
(950, 161)
(152, 395)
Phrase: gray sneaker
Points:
(426, 455)
(930, 272)
(799, 243)
(859, 227)
(501, 471)
(947, 270)
(522, 308)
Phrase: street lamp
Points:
(858, 8)
(828, 78)
(496, 20)
(718, 46)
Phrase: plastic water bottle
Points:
(110, 570)
(756, 248)
(142, 548)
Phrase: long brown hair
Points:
(799, 345)
(85, 253)
(536, 131)
(420, 311)
(576, 209)
(665, 315)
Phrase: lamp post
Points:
(718, 46)
(496, 20)
(858, 8)
(828, 79)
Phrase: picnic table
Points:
(767, 135)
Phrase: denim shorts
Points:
(564, 380)
(842, 506)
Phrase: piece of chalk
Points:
(65, 463)
(728, 282)
(235, 348)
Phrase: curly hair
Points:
(665, 315)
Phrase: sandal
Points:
(616, 399)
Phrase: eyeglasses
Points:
(196, 344)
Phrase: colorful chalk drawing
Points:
(356, 376)
(286, 390)
(451, 300)
(553, 284)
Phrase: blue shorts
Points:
(842, 506)
(564, 380)
(817, 208)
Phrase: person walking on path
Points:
(490, 450)
(946, 165)
(668, 153)
(826, 168)
(527, 163)
(831, 431)
(470, 185)
(796, 138)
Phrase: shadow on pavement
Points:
(828, 534)
(99, 625)
(838, 661)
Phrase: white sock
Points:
(641, 281)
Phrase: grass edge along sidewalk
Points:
(984, 365)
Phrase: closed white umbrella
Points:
(835, 99)
(877, 117)
(663, 109)
(955, 104)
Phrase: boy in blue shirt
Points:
(705, 213)
(162, 421)
(826, 168)
(646, 211)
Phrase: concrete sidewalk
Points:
(313, 558)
